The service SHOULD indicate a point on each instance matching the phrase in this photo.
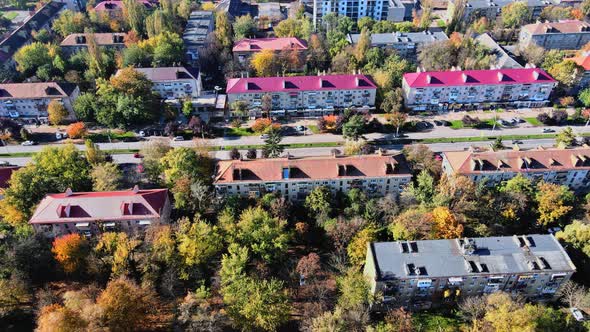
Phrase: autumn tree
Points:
(576, 234)
(362, 46)
(357, 249)
(125, 305)
(135, 14)
(412, 224)
(319, 201)
(106, 177)
(56, 112)
(445, 224)
(553, 202)
(223, 30)
(515, 14)
(244, 26)
(264, 63)
(261, 125)
(198, 242)
(397, 119)
(14, 294)
(76, 130)
(353, 289)
(70, 251)
(308, 266)
(183, 161)
(69, 22)
(567, 72)
(116, 249)
(316, 53)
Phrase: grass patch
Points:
(9, 15)
(239, 132)
(103, 137)
(457, 124)
(486, 138)
(533, 121)
(314, 129)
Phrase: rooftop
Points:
(110, 5)
(100, 206)
(397, 37)
(564, 26)
(537, 160)
(503, 59)
(35, 90)
(107, 38)
(477, 77)
(198, 26)
(299, 83)
(167, 73)
(470, 257)
(477, 4)
(583, 60)
(311, 168)
(275, 44)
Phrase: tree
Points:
(36, 57)
(57, 113)
(184, 161)
(261, 125)
(353, 289)
(197, 312)
(446, 224)
(319, 201)
(70, 251)
(362, 46)
(397, 119)
(566, 137)
(76, 130)
(567, 72)
(412, 224)
(393, 101)
(354, 128)
(69, 22)
(556, 13)
(13, 295)
(265, 235)
(244, 26)
(308, 266)
(272, 145)
(223, 30)
(251, 153)
(357, 248)
(574, 295)
(577, 234)
(93, 154)
(420, 157)
(125, 305)
(152, 153)
(316, 53)
(116, 250)
(264, 63)
(135, 14)
(554, 202)
(197, 242)
(423, 190)
(85, 106)
(106, 177)
(59, 318)
(292, 27)
(515, 14)
(235, 154)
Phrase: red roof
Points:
(477, 77)
(100, 206)
(299, 83)
(583, 60)
(5, 174)
(275, 44)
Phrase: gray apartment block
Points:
(198, 27)
(562, 35)
(424, 274)
(405, 44)
(391, 10)
(491, 9)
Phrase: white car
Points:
(577, 313)
(178, 138)
(264, 136)
(61, 135)
(27, 143)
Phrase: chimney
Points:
(535, 75)
(68, 192)
(500, 76)
(135, 189)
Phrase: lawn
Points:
(457, 124)
(103, 136)
(9, 15)
(533, 121)
(242, 131)
(314, 129)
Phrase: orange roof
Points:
(107, 38)
(538, 160)
(275, 44)
(311, 168)
(582, 60)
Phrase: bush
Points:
(261, 125)
(468, 121)
(545, 119)
(367, 149)
(76, 130)
(567, 101)
(559, 117)
(235, 154)
(251, 153)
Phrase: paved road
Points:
(437, 147)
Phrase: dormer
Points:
(476, 164)
(500, 76)
(127, 208)
(390, 168)
(63, 211)
(428, 78)
(502, 164)
(535, 75)
(576, 162)
(464, 77)
(342, 171)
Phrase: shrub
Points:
(76, 130)
(468, 121)
(261, 125)
(567, 101)
(559, 117)
(235, 154)
(544, 118)
(251, 153)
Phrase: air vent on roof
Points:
(533, 265)
(483, 268)
(410, 269)
(468, 246)
(544, 264)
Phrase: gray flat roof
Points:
(502, 3)
(494, 255)
(198, 26)
(423, 37)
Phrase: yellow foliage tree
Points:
(553, 202)
(264, 63)
(446, 224)
(56, 112)
(117, 249)
(357, 249)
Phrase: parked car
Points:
(263, 136)
(61, 135)
(178, 138)
(553, 230)
(548, 130)
(300, 128)
(578, 314)
(137, 155)
(446, 123)
(438, 123)
(515, 141)
(28, 143)
(13, 114)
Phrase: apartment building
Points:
(568, 167)
(424, 274)
(198, 26)
(492, 9)
(562, 35)
(32, 99)
(174, 82)
(477, 89)
(115, 8)
(245, 48)
(295, 178)
(583, 60)
(91, 213)
(303, 95)
(79, 41)
(405, 44)
(23, 35)
(391, 10)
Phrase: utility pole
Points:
(315, 15)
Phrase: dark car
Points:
(438, 123)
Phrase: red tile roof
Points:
(530, 161)
(100, 206)
(36, 90)
(564, 26)
(275, 44)
(167, 73)
(100, 38)
(477, 77)
(582, 60)
(299, 83)
(5, 174)
(312, 168)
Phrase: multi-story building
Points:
(302, 95)
(570, 167)
(406, 44)
(79, 41)
(583, 60)
(174, 82)
(23, 35)
(424, 274)
(114, 8)
(198, 26)
(476, 89)
(492, 9)
(391, 10)
(562, 35)
(32, 99)
(243, 49)
(91, 213)
(295, 178)
(503, 58)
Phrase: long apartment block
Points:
(424, 274)
(570, 167)
(477, 89)
(32, 99)
(303, 95)
(562, 35)
(295, 178)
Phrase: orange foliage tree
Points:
(76, 130)
(331, 121)
(263, 125)
(70, 251)
(446, 224)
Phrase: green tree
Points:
(244, 26)
(85, 106)
(518, 184)
(32, 57)
(158, 22)
(93, 154)
(106, 177)
(136, 56)
(265, 235)
(354, 128)
(515, 14)
(187, 162)
(353, 288)
(69, 22)
(423, 190)
(554, 202)
(584, 97)
(198, 242)
(135, 14)
(577, 234)
(223, 30)
(272, 144)
(566, 137)
(319, 201)
(362, 46)
(567, 72)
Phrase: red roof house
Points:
(274, 44)
(299, 83)
(477, 77)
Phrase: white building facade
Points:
(32, 99)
